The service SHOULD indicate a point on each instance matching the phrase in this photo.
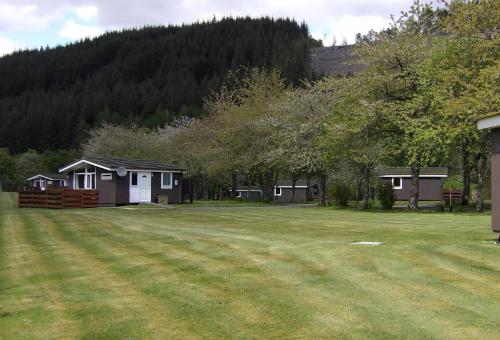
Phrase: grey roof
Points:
(288, 183)
(429, 171)
(242, 187)
(50, 176)
(334, 60)
(280, 183)
(136, 164)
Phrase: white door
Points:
(140, 187)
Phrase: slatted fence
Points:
(58, 198)
(451, 195)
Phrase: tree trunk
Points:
(466, 170)
(359, 182)
(206, 194)
(294, 183)
(322, 190)
(267, 186)
(308, 189)
(366, 189)
(415, 175)
(234, 185)
(481, 163)
(191, 190)
(481, 169)
(221, 192)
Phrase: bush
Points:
(341, 194)
(386, 195)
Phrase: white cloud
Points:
(90, 17)
(24, 18)
(347, 26)
(8, 46)
(75, 31)
(87, 13)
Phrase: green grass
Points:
(246, 271)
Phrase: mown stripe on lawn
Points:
(230, 291)
(30, 294)
(391, 287)
(293, 272)
(131, 311)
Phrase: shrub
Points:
(386, 194)
(341, 194)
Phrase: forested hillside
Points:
(50, 98)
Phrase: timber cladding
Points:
(58, 199)
(495, 191)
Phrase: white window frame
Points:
(238, 195)
(87, 185)
(42, 184)
(400, 186)
(137, 179)
(165, 186)
(275, 192)
(106, 176)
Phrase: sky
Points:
(32, 24)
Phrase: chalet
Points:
(126, 181)
(430, 182)
(43, 181)
(493, 122)
(282, 191)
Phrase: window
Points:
(90, 184)
(133, 178)
(40, 183)
(277, 191)
(106, 177)
(166, 180)
(397, 183)
(238, 194)
(84, 180)
(80, 181)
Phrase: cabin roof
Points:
(286, 183)
(406, 172)
(50, 177)
(489, 121)
(112, 164)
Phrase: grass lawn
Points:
(246, 271)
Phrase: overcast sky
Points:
(35, 23)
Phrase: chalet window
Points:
(397, 183)
(106, 177)
(84, 180)
(277, 191)
(90, 183)
(40, 183)
(166, 180)
(80, 181)
(133, 178)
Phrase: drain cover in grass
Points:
(368, 243)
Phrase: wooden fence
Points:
(451, 195)
(58, 198)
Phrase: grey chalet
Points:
(430, 182)
(125, 181)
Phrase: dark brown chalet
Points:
(493, 122)
(43, 181)
(126, 181)
(283, 191)
(430, 182)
